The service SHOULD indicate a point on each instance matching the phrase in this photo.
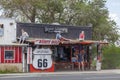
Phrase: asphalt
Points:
(113, 71)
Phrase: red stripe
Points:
(8, 61)
(16, 54)
(5, 48)
(11, 61)
(5, 61)
(2, 54)
(13, 48)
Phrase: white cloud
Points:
(113, 3)
(115, 17)
(117, 4)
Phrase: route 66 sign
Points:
(42, 58)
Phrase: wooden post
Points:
(71, 57)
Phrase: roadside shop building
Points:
(48, 54)
(42, 52)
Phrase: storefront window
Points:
(63, 54)
(9, 54)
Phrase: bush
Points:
(111, 57)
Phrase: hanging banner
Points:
(42, 59)
(47, 42)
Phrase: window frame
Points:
(13, 55)
(2, 30)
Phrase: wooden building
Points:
(10, 52)
(48, 54)
(42, 52)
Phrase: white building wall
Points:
(9, 27)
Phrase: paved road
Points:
(81, 76)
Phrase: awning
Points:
(84, 42)
(67, 42)
(45, 41)
(14, 44)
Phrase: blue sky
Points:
(114, 10)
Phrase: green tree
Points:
(25, 10)
(69, 12)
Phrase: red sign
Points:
(47, 42)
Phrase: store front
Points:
(67, 55)
(46, 53)
(49, 55)
(42, 51)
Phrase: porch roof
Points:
(38, 41)
(13, 44)
(84, 42)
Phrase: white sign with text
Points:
(42, 58)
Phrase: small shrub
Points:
(111, 57)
